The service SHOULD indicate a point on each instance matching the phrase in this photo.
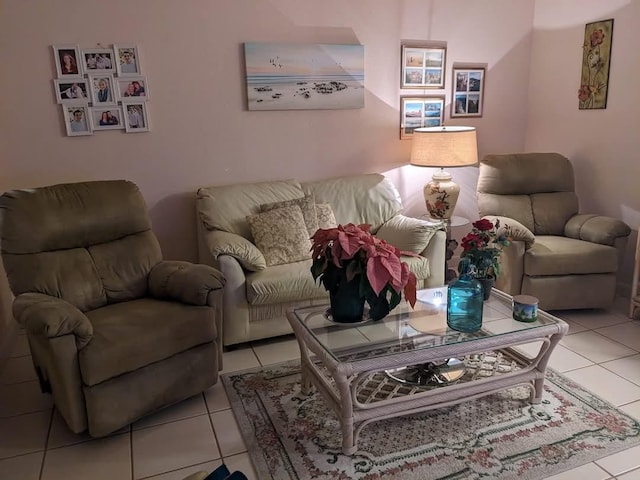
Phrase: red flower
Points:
(584, 93)
(482, 246)
(483, 225)
(597, 36)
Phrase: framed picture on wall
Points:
(102, 89)
(420, 111)
(98, 60)
(423, 66)
(132, 88)
(76, 119)
(136, 118)
(468, 91)
(67, 60)
(127, 59)
(69, 90)
(106, 118)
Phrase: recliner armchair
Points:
(115, 332)
(565, 259)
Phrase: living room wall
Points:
(603, 145)
(202, 133)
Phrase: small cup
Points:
(525, 308)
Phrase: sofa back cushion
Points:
(89, 243)
(536, 189)
(368, 198)
(226, 207)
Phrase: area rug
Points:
(292, 436)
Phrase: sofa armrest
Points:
(49, 316)
(596, 229)
(517, 231)
(219, 242)
(408, 234)
(185, 282)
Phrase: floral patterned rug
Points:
(291, 436)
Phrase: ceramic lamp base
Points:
(441, 195)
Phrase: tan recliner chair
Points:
(115, 332)
(567, 260)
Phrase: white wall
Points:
(603, 145)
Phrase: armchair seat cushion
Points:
(131, 335)
(283, 283)
(552, 255)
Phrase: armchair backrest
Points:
(88, 243)
(536, 189)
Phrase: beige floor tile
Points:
(241, 358)
(216, 398)
(17, 370)
(627, 367)
(605, 384)
(61, 436)
(271, 352)
(20, 347)
(632, 409)
(593, 319)
(632, 475)
(24, 467)
(621, 462)
(191, 407)
(574, 327)
(227, 433)
(172, 446)
(102, 459)
(242, 463)
(590, 471)
(595, 347)
(24, 433)
(181, 473)
(627, 333)
(562, 359)
(22, 398)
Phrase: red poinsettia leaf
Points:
(377, 274)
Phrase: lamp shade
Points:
(451, 146)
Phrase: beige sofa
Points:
(256, 296)
(566, 259)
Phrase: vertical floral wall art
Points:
(596, 56)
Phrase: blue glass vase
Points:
(464, 302)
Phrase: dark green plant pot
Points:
(487, 284)
(346, 304)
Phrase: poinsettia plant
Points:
(482, 247)
(343, 253)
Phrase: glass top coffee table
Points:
(361, 369)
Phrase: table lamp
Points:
(451, 146)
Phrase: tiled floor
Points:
(601, 351)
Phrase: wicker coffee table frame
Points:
(357, 389)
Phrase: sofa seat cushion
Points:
(134, 334)
(552, 255)
(418, 265)
(283, 283)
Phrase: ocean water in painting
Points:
(304, 76)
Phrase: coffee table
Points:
(353, 365)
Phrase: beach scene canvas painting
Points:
(304, 76)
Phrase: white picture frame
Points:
(71, 90)
(98, 60)
(77, 124)
(106, 118)
(132, 88)
(102, 88)
(136, 117)
(468, 90)
(127, 57)
(68, 61)
(423, 65)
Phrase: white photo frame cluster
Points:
(101, 89)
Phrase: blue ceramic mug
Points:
(525, 308)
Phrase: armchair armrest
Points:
(518, 232)
(596, 229)
(185, 282)
(52, 317)
(408, 234)
(220, 242)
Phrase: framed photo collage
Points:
(101, 89)
(423, 67)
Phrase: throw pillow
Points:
(306, 204)
(281, 235)
(408, 234)
(326, 218)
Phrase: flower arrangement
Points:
(348, 252)
(482, 247)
